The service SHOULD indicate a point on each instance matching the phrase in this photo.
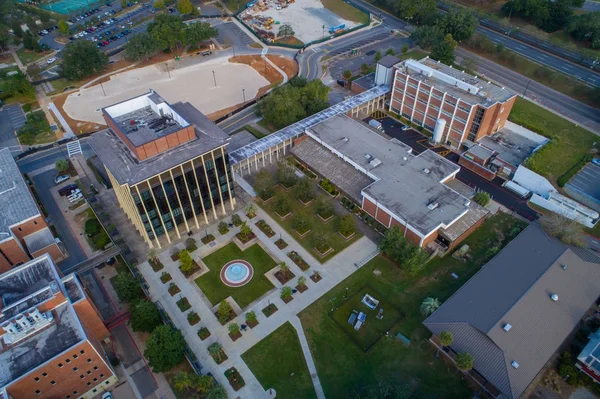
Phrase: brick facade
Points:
(90, 320)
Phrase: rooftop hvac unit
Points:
(35, 314)
(432, 206)
(345, 139)
(9, 327)
(426, 171)
(23, 321)
(515, 364)
(554, 297)
(507, 327)
(375, 162)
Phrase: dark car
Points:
(67, 189)
(341, 82)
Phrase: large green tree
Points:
(444, 51)
(586, 28)
(428, 36)
(184, 7)
(18, 85)
(199, 32)
(81, 59)
(414, 9)
(165, 348)
(396, 247)
(127, 287)
(460, 22)
(167, 30)
(144, 316)
(63, 26)
(141, 47)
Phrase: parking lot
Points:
(11, 120)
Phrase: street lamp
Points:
(214, 78)
(101, 85)
(244, 94)
(169, 72)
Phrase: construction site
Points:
(309, 20)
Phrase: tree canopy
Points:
(63, 26)
(586, 28)
(286, 30)
(144, 316)
(81, 59)
(459, 22)
(165, 348)
(294, 101)
(168, 31)
(444, 50)
(127, 287)
(549, 15)
(18, 84)
(395, 246)
(184, 7)
(199, 32)
(141, 46)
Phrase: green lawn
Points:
(414, 54)
(27, 56)
(273, 361)
(569, 143)
(337, 242)
(214, 289)
(346, 11)
(253, 131)
(373, 328)
(344, 368)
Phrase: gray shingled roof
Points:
(515, 288)
(16, 201)
(39, 240)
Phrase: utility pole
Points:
(244, 94)
(169, 72)
(526, 87)
(215, 78)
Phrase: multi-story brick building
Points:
(24, 233)
(168, 165)
(428, 91)
(50, 336)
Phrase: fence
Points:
(571, 55)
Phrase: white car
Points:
(50, 60)
(278, 7)
(61, 178)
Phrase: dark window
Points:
(74, 368)
(68, 396)
(20, 229)
(44, 374)
(38, 391)
(95, 379)
(37, 379)
(89, 383)
(89, 372)
(476, 123)
(34, 222)
(95, 367)
(68, 360)
(106, 382)
(94, 390)
(74, 392)
(53, 382)
(89, 360)
(101, 375)
(82, 352)
(81, 376)
(60, 365)
(74, 356)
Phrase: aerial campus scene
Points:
(356, 199)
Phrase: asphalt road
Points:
(591, 6)
(11, 120)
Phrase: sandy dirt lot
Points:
(306, 17)
(193, 83)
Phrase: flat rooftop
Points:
(407, 185)
(16, 201)
(513, 143)
(457, 83)
(587, 180)
(127, 169)
(145, 125)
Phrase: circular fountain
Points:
(236, 273)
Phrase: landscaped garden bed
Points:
(183, 304)
(235, 379)
(174, 289)
(265, 228)
(188, 266)
(236, 220)
(307, 172)
(329, 188)
(286, 294)
(298, 260)
(269, 310)
(203, 333)
(281, 244)
(175, 254)
(301, 287)
(223, 228)
(234, 332)
(212, 286)
(190, 245)
(225, 313)
(193, 318)
(285, 274)
(156, 264)
(217, 353)
(208, 239)
(165, 277)
(316, 277)
(251, 320)
(246, 234)
(348, 204)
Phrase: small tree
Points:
(390, 51)
(301, 222)
(429, 305)
(233, 328)
(63, 26)
(183, 381)
(347, 225)
(250, 317)
(281, 205)
(184, 6)
(446, 338)
(482, 198)
(285, 269)
(464, 361)
(236, 220)
(223, 227)
(286, 30)
(324, 207)
(186, 261)
(304, 190)
(158, 5)
(144, 316)
(263, 184)
(81, 59)
(322, 241)
(224, 311)
(566, 230)
(216, 351)
(165, 348)
(190, 244)
(123, 3)
(364, 68)
(127, 287)
(61, 165)
(245, 231)
(347, 74)
(377, 56)
(286, 292)
(301, 280)
(405, 49)
(286, 173)
(395, 246)
(250, 210)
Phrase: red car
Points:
(105, 42)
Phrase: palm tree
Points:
(429, 305)
(183, 381)
(250, 210)
(446, 338)
(215, 350)
(301, 280)
(152, 254)
(464, 361)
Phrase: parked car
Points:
(404, 128)
(51, 60)
(61, 178)
(206, 53)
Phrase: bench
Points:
(403, 339)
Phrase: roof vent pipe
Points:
(564, 267)
(554, 297)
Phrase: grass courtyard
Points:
(336, 241)
(273, 361)
(569, 143)
(211, 285)
(345, 370)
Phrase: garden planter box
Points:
(252, 324)
(235, 379)
(286, 189)
(284, 277)
(219, 357)
(235, 336)
(288, 299)
(266, 200)
(195, 268)
(283, 217)
(249, 238)
(207, 239)
(302, 235)
(269, 310)
(191, 248)
(193, 318)
(306, 203)
(183, 304)
(301, 288)
(316, 278)
(232, 316)
(297, 259)
(281, 244)
(265, 228)
(174, 290)
(224, 231)
(249, 217)
(347, 238)
(175, 257)
(165, 278)
(156, 264)
(323, 254)
(327, 219)
(203, 333)
(332, 195)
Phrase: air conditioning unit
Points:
(515, 364)
(432, 206)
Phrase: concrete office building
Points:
(168, 165)
(50, 336)
(428, 91)
(394, 186)
(24, 233)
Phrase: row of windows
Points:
(60, 365)
(38, 392)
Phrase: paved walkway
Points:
(312, 369)
(68, 131)
(333, 272)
